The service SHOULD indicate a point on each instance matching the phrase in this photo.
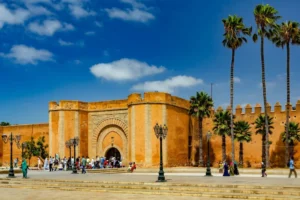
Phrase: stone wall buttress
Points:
(76, 130)
(132, 133)
(50, 134)
(165, 141)
(61, 134)
(148, 140)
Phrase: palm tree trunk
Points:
(231, 104)
(241, 158)
(200, 143)
(265, 98)
(287, 102)
(263, 152)
(223, 147)
(292, 150)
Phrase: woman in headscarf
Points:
(46, 164)
(225, 169)
(24, 168)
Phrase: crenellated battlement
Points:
(257, 109)
(133, 99)
(160, 98)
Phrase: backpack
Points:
(288, 164)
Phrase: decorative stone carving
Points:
(69, 105)
(83, 106)
(99, 117)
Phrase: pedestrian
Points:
(263, 170)
(24, 168)
(46, 164)
(292, 167)
(83, 162)
(225, 173)
(16, 162)
(50, 164)
(39, 163)
(236, 170)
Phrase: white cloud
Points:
(79, 12)
(134, 4)
(168, 85)
(17, 16)
(130, 15)
(28, 55)
(64, 43)
(124, 69)
(236, 80)
(49, 27)
(99, 24)
(90, 33)
(138, 12)
(38, 10)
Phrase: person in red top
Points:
(133, 167)
(105, 163)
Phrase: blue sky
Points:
(94, 50)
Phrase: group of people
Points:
(229, 170)
(55, 163)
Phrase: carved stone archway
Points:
(105, 123)
(101, 135)
(115, 146)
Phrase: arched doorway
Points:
(113, 152)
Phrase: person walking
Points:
(263, 170)
(50, 164)
(39, 163)
(16, 162)
(83, 162)
(24, 168)
(292, 167)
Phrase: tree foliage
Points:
(4, 124)
(242, 131)
(34, 148)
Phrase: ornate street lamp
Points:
(24, 145)
(161, 133)
(74, 142)
(69, 145)
(11, 138)
(208, 171)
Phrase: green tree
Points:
(286, 34)
(293, 136)
(265, 19)
(30, 150)
(260, 126)
(200, 106)
(242, 134)
(222, 128)
(4, 124)
(235, 31)
(38, 149)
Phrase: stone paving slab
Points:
(171, 178)
(31, 194)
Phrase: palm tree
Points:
(235, 31)
(242, 134)
(260, 126)
(286, 34)
(294, 135)
(222, 128)
(265, 19)
(200, 106)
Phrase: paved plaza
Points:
(41, 178)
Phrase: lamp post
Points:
(74, 142)
(69, 145)
(11, 138)
(208, 171)
(161, 133)
(24, 145)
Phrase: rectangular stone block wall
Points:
(26, 132)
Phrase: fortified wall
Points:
(127, 126)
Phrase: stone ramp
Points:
(220, 191)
